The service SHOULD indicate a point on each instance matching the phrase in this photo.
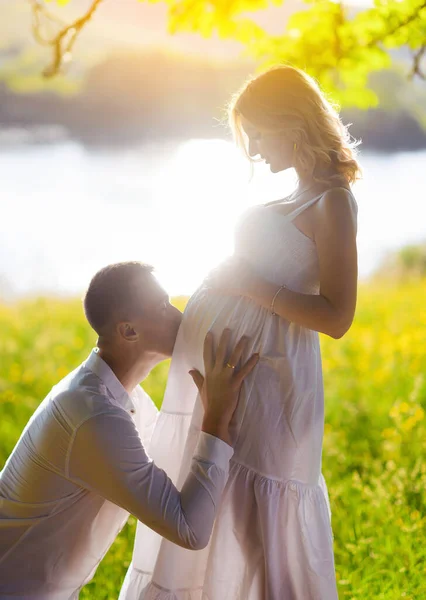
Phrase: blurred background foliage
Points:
(328, 39)
(404, 264)
(375, 434)
(125, 63)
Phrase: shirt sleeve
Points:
(107, 457)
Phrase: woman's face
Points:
(274, 148)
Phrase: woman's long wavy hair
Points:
(287, 100)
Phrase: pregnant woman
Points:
(293, 274)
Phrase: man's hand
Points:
(220, 388)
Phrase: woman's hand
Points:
(235, 277)
(220, 388)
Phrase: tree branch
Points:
(403, 23)
(63, 42)
(417, 56)
(416, 70)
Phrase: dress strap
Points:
(297, 211)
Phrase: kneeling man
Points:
(80, 466)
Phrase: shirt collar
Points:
(98, 366)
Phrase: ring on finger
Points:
(230, 366)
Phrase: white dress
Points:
(272, 538)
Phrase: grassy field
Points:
(375, 435)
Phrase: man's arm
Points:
(108, 457)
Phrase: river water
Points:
(67, 211)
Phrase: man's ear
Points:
(128, 332)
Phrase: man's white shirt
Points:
(78, 470)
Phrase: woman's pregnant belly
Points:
(213, 311)
(280, 409)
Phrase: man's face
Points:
(159, 321)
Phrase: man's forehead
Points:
(152, 291)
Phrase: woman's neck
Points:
(329, 179)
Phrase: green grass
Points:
(375, 435)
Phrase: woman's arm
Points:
(332, 311)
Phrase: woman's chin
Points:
(274, 168)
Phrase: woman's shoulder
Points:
(336, 209)
(336, 197)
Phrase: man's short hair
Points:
(114, 291)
